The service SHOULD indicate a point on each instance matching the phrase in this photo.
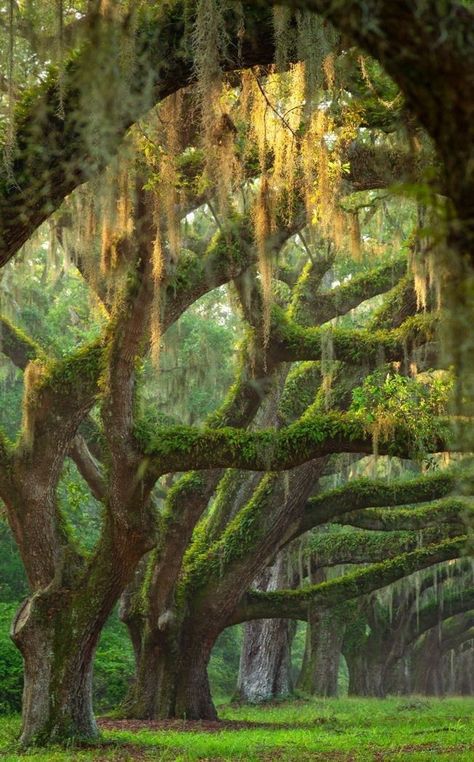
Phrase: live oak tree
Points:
(403, 530)
(73, 592)
(380, 533)
(188, 594)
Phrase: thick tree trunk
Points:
(320, 668)
(463, 682)
(193, 691)
(57, 630)
(171, 677)
(58, 644)
(153, 693)
(400, 678)
(265, 660)
(366, 675)
(427, 665)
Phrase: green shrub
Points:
(113, 666)
(224, 663)
(11, 664)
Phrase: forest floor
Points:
(341, 730)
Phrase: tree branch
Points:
(367, 493)
(88, 467)
(73, 148)
(335, 548)
(182, 448)
(452, 510)
(317, 308)
(17, 346)
(290, 342)
(293, 604)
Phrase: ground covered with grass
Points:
(330, 729)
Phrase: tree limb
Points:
(293, 604)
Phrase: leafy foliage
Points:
(387, 398)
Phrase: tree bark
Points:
(265, 660)
(153, 693)
(57, 640)
(366, 675)
(324, 638)
(427, 665)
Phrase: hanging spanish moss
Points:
(285, 139)
(60, 36)
(10, 138)
(170, 114)
(312, 48)
(157, 273)
(264, 225)
(355, 238)
(210, 47)
(115, 204)
(33, 373)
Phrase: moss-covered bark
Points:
(324, 637)
(293, 603)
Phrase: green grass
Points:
(333, 729)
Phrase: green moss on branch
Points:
(294, 604)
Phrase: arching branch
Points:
(368, 493)
(293, 604)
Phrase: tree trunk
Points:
(171, 677)
(153, 693)
(400, 678)
(366, 675)
(193, 691)
(320, 668)
(427, 665)
(463, 684)
(58, 644)
(265, 660)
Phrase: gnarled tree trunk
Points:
(57, 639)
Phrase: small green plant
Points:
(387, 399)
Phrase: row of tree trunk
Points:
(382, 657)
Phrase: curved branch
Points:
(452, 510)
(17, 346)
(333, 549)
(184, 448)
(88, 467)
(368, 493)
(290, 342)
(311, 308)
(429, 615)
(72, 149)
(293, 604)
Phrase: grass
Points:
(332, 729)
